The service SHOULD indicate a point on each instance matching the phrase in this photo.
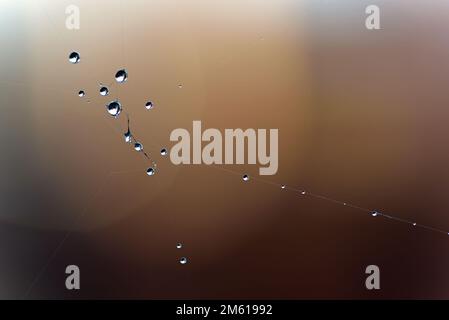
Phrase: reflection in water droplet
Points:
(245, 177)
(121, 76)
(149, 105)
(104, 91)
(74, 57)
(183, 260)
(163, 152)
(81, 93)
(114, 108)
(150, 171)
(127, 136)
(138, 146)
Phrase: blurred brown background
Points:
(362, 117)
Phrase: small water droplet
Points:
(121, 76)
(163, 152)
(81, 93)
(104, 91)
(150, 171)
(303, 192)
(138, 146)
(179, 246)
(74, 57)
(245, 177)
(414, 223)
(127, 136)
(283, 186)
(180, 86)
(149, 105)
(183, 260)
(114, 108)
(374, 213)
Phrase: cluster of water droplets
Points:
(182, 260)
(114, 108)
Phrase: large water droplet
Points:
(121, 76)
(114, 108)
(104, 91)
(81, 93)
(74, 57)
(150, 171)
(149, 105)
(138, 146)
(183, 260)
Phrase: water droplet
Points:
(183, 260)
(283, 186)
(104, 91)
(121, 76)
(179, 246)
(149, 105)
(150, 171)
(74, 57)
(374, 213)
(114, 108)
(414, 223)
(303, 192)
(127, 136)
(163, 152)
(138, 146)
(81, 93)
(245, 177)
(180, 86)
